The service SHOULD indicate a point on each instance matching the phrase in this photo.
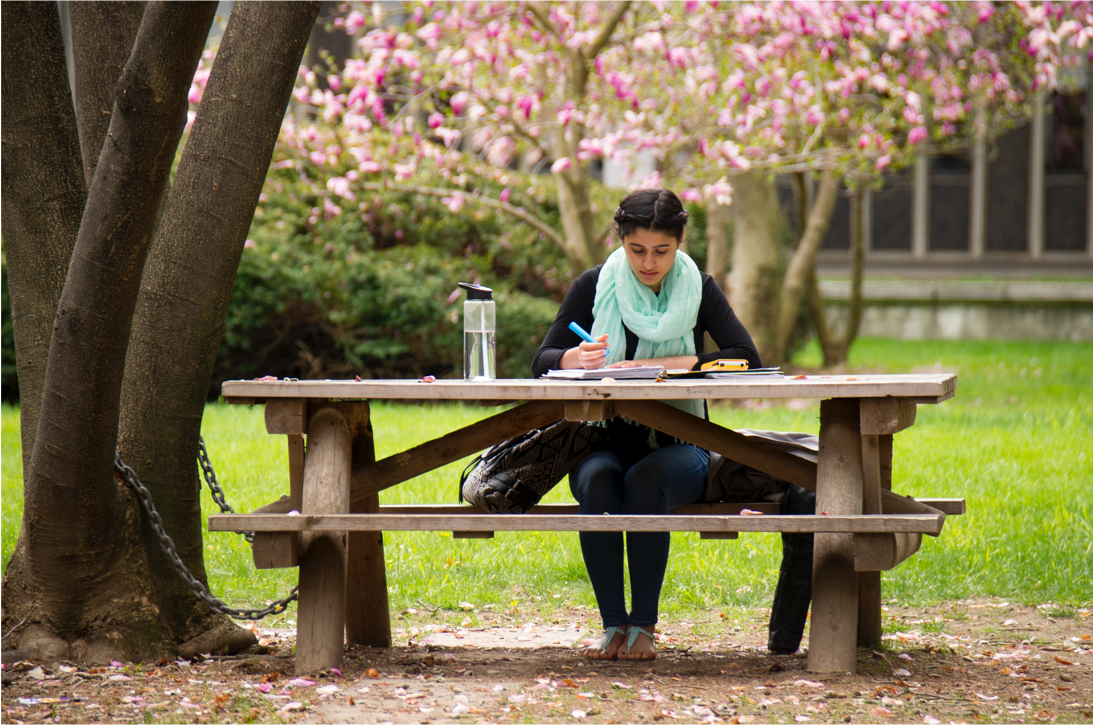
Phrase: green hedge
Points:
(331, 287)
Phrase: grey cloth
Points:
(729, 480)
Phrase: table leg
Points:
(869, 586)
(833, 630)
(367, 610)
(320, 641)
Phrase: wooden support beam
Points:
(880, 552)
(704, 434)
(885, 416)
(588, 410)
(286, 415)
(893, 503)
(282, 551)
(472, 534)
(371, 479)
(321, 608)
(367, 607)
(834, 623)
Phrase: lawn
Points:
(1014, 442)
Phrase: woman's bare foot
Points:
(641, 644)
(607, 647)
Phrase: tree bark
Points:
(43, 190)
(188, 279)
(803, 262)
(73, 508)
(102, 38)
(756, 260)
(717, 243)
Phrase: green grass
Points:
(1014, 442)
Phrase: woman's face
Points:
(650, 254)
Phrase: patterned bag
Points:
(512, 476)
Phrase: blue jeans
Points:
(605, 482)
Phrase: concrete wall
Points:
(960, 310)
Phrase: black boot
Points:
(794, 591)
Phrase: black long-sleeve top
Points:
(715, 316)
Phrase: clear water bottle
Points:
(479, 333)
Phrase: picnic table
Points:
(331, 523)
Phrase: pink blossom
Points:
(917, 135)
(505, 194)
(882, 162)
(561, 165)
(249, 244)
(354, 22)
(370, 167)
(454, 202)
(693, 195)
(459, 102)
(429, 34)
(340, 186)
(436, 120)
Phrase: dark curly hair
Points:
(657, 210)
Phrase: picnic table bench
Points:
(331, 523)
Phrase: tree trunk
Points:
(582, 248)
(188, 279)
(717, 243)
(756, 260)
(43, 190)
(102, 38)
(803, 262)
(83, 584)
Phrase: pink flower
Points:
(917, 135)
(354, 22)
(454, 202)
(340, 186)
(334, 82)
(429, 34)
(459, 102)
(561, 165)
(436, 120)
(249, 244)
(690, 195)
(882, 162)
(370, 167)
(505, 194)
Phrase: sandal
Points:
(632, 638)
(609, 633)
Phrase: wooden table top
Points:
(923, 388)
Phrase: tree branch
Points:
(607, 30)
(504, 206)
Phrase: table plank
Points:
(923, 388)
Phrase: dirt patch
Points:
(970, 661)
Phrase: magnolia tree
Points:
(848, 90)
(457, 94)
(725, 95)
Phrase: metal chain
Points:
(214, 488)
(196, 586)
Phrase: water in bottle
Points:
(479, 331)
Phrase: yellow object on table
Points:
(724, 365)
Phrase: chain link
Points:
(196, 586)
(214, 488)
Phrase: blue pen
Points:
(585, 336)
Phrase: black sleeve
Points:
(577, 306)
(728, 332)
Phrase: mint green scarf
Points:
(664, 323)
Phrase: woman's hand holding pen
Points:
(587, 355)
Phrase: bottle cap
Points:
(477, 291)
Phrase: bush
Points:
(334, 288)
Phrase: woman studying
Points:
(648, 304)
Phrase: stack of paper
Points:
(641, 372)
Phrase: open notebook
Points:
(643, 372)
